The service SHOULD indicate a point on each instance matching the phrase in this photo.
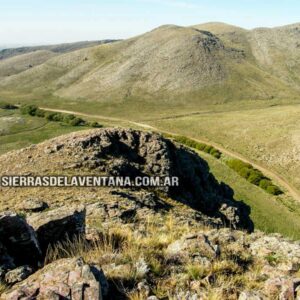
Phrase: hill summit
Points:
(209, 62)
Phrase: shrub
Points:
(7, 106)
(245, 172)
(265, 183)
(50, 116)
(58, 117)
(238, 165)
(29, 110)
(40, 113)
(208, 148)
(254, 178)
(68, 118)
(200, 146)
(95, 125)
(215, 153)
(274, 190)
(77, 122)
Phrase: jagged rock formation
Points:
(150, 244)
(121, 152)
(63, 279)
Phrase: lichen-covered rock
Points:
(18, 274)
(267, 245)
(19, 240)
(63, 279)
(58, 224)
(282, 287)
(197, 245)
(33, 205)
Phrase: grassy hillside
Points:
(269, 213)
(18, 131)
(268, 135)
(21, 63)
(199, 65)
(60, 48)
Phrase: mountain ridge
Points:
(207, 62)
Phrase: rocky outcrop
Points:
(197, 245)
(149, 243)
(23, 247)
(19, 241)
(62, 279)
(33, 205)
(18, 274)
(126, 152)
(58, 225)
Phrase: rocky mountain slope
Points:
(211, 62)
(133, 243)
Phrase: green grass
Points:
(267, 135)
(31, 131)
(269, 213)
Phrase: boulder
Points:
(18, 240)
(57, 225)
(33, 205)
(197, 245)
(284, 287)
(63, 279)
(18, 274)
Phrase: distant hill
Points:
(59, 48)
(213, 62)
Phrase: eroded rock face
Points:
(18, 240)
(62, 279)
(58, 224)
(125, 152)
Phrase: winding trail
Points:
(269, 173)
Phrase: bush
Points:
(7, 106)
(40, 113)
(68, 118)
(245, 172)
(72, 120)
(29, 110)
(50, 116)
(208, 148)
(255, 177)
(215, 153)
(238, 165)
(199, 146)
(265, 183)
(77, 122)
(274, 190)
(95, 125)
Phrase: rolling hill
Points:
(208, 63)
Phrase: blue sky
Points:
(29, 22)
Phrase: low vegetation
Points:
(7, 106)
(245, 170)
(69, 119)
(197, 145)
(254, 176)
